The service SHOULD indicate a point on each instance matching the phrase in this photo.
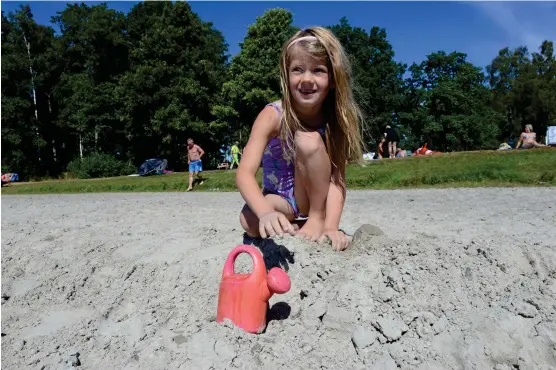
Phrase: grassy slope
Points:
(488, 168)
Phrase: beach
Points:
(446, 279)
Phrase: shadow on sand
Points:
(274, 255)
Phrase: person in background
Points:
(529, 139)
(401, 153)
(194, 155)
(392, 138)
(235, 154)
(381, 147)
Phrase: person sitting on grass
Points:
(303, 141)
(529, 139)
(401, 153)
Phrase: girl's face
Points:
(527, 129)
(309, 79)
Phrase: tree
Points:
(377, 77)
(502, 73)
(28, 75)
(177, 69)
(447, 104)
(93, 48)
(524, 88)
(253, 78)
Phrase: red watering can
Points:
(243, 298)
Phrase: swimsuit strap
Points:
(275, 107)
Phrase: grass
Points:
(471, 169)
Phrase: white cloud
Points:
(525, 23)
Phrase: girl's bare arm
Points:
(266, 125)
(335, 202)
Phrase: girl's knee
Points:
(307, 143)
(249, 221)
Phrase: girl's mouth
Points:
(307, 92)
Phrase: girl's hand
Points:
(339, 239)
(274, 223)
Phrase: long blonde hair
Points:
(343, 136)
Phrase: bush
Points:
(99, 165)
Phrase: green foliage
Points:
(447, 105)
(177, 68)
(377, 77)
(524, 88)
(139, 84)
(253, 78)
(98, 165)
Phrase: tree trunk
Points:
(80, 147)
(28, 45)
(54, 158)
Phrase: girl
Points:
(304, 142)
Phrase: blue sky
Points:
(415, 29)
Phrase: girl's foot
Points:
(189, 189)
(312, 230)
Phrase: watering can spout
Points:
(243, 298)
(277, 282)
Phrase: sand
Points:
(460, 279)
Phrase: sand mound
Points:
(91, 290)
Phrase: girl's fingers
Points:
(301, 235)
(262, 231)
(336, 244)
(277, 228)
(270, 230)
(286, 225)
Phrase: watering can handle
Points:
(258, 263)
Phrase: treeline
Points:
(137, 85)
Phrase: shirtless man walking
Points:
(194, 154)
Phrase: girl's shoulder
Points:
(267, 122)
(277, 105)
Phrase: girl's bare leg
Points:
(250, 222)
(312, 181)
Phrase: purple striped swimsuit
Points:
(278, 171)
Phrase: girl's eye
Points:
(297, 69)
(320, 70)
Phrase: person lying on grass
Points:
(304, 142)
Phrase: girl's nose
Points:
(307, 79)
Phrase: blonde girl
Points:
(304, 142)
